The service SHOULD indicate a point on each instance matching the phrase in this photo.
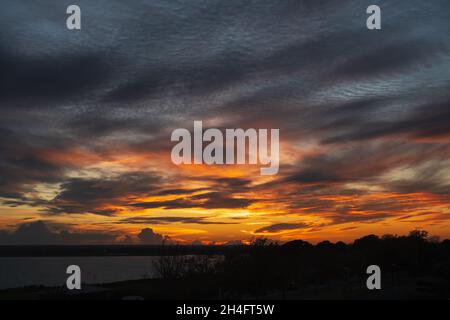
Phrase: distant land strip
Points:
(114, 250)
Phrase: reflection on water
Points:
(51, 271)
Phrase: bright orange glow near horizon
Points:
(220, 204)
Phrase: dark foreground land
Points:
(412, 267)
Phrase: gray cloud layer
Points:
(379, 100)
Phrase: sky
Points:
(87, 115)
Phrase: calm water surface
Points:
(51, 271)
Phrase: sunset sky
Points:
(86, 118)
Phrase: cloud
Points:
(371, 163)
(365, 218)
(95, 195)
(22, 164)
(86, 114)
(280, 227)
(390, 58)
(180, 191)
(168, 220)
(427, 122)
(148, 236)
(25, 81)
(39, 233)
(209, 200)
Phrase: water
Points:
(18, 272)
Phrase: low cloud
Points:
(42, 233)
(39, 233)
(148, 236)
